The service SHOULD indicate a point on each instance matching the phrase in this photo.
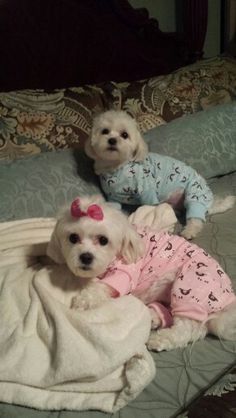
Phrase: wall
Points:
(164, 11)
(230, 22)
(212, 42)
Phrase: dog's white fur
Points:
(109, 157)
(124, 242)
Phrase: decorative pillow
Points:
(205, 140)
(158, 100)
(32, 121)
(39, 185)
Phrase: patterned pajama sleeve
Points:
(198, 198)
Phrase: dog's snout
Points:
(112, 141)
(86, 258)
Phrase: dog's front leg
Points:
(192, 228)
(91, 296)
(182, 332)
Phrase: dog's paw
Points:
(188, 234)
(159, 341)
(192, 228)
(91, 297)
(79, 303)
(165, 339)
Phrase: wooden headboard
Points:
(59, 43)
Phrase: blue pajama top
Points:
(158, 179)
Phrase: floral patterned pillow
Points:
(33, 121)
(161, 99)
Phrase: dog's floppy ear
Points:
(132, 245)
(141, 150)
(89, 149)
(54, 248)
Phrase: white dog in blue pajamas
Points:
(130, 175)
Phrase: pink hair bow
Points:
(93, 211)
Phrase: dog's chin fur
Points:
(108, 157)
(83, 272)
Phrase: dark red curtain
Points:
(195, 16)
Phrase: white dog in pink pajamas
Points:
(186, 290)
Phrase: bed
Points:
(62, 66)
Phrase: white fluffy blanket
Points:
(53, 357)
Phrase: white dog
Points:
(187, 292)
(129, 174)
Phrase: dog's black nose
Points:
(86, 258)
(112, 141)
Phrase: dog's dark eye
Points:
(105, 131)
(103, 240)
(124, 135)
(74, 238)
